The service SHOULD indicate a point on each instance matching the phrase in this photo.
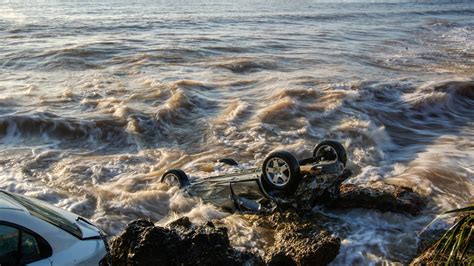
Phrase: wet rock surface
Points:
(427, 248)
(427, 257)
(180, 243)
(379, 196)
(428, 238)
(329, 191)
(300, 236)
(299, 240)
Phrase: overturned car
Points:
(282, 181)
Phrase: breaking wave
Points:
(93, 109)
(52, 126)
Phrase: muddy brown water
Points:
(98, 99)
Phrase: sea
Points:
(99, 98)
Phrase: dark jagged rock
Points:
(181, 243)
(427, 257)
(428, 238)
(327, 190)
(379, 196)
(304, 246)
(299, 240)
(300, 237)
(427, 248)
(281, 259)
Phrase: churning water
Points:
(98, 98)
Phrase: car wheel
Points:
(228, 161)
(281, 172)
(175, 178)
(330, 151)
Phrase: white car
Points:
(36, 233)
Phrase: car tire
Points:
(331, 150)
(280, 173)
(175, 177)
(228, 161)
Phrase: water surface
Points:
(97, 99)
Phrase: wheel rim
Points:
(171, 180)
(278, 172)
(327, 153)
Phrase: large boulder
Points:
(329, 191)
(180, 243)
(380, 196)
(299, 240)
(300, 237)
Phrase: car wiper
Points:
(80, 218)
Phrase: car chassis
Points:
(282, 181)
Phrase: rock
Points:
(327, 190)
(299, 240)
(427, 247)
(181, 243)
(304, 246)
(380, 196)
(280, 259)
(299, 237)
(425, 258)
(427, 239)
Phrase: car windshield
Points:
(47, 214)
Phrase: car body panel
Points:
(243, 191)
(251, 173)
(67, 249)
(85, 252)
(45, 262)
(218, 189)
(6, 202)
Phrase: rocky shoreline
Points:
(297, 241)
(180, 243)
(300, 237)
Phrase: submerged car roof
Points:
(7, 202)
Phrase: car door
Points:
(19, 246)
